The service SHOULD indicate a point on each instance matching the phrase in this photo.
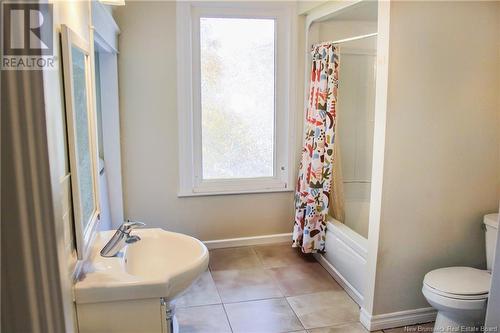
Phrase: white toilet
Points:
(460, 294)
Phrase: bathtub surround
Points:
(356, 104)
(345, 258)
(355, 122)
(317, 166)
(355, 32)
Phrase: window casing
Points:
(190, 112)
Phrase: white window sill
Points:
(236, 192)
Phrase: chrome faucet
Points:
(121, 238)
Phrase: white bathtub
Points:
(345, 258)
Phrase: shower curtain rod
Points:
(350, 39)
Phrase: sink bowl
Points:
(161, 265)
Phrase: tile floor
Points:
(267, 289)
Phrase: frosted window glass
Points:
(237, 97)
(82, 136)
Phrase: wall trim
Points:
(349, 288)
(106, 30)
(396, 319)
(248, 241)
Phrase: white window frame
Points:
(189, 97)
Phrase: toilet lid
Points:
(459, 280)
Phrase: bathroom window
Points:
(234, 84)
(237, 97)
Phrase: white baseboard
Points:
(248, 241)
(397, 319)
(353, 292)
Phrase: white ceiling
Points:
(364, 11)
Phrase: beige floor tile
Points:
(427, 327)
(324, 309)
(245, 285)
(202, 292)
(347, 328)
(203, 319)
(303, 279)
(233, 258)
(281, 255)
(265, 316)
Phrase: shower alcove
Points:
(354, 29)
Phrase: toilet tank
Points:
(491, 230)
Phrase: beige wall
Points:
(147, 80)
(442, 165)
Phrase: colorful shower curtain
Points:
(316, 168)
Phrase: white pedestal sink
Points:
(133, 291)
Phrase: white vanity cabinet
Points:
(132, 291)
(135, 315)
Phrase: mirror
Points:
(82, 140)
